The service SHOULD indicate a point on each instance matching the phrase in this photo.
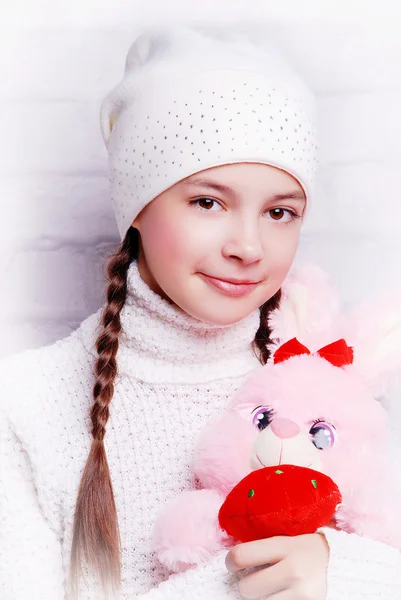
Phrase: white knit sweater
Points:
(174, 373)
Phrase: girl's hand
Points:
(297, 570)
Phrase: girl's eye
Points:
(207, 203)
(262, 417)
(211, 205)
(322, 435)
(277, 214)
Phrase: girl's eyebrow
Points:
(225, 189)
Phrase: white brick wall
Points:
(58, 60)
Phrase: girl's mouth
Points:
(230, 289)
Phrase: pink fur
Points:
(222, 453)
(303, 389)
(188, 531)
(359, 461)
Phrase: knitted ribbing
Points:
(160, 343)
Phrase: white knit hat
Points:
(192, 98)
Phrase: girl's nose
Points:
(247, 245)
(284, 428)
(248, 253)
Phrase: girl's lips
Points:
(231, 289)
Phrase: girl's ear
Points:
(309, 305)
(375, 334)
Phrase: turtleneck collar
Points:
(159, 342)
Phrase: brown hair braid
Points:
(95, 529)
(262, 336)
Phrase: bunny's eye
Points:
(261, 417)
(322, 435)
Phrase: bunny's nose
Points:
(284, 428)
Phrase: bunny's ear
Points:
(375, 334)
(309, 305)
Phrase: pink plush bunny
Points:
(314, 409)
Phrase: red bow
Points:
(337, 353)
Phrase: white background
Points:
(57, 62)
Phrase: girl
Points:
(212, 157)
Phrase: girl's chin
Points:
(223, 318)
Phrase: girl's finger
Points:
(284, 595)
(271, 582)
(257, 553)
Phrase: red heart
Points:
(280, 500)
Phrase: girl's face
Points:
(233, 222)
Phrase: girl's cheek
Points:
(167, 240)
(283, 244)
(161, 235)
